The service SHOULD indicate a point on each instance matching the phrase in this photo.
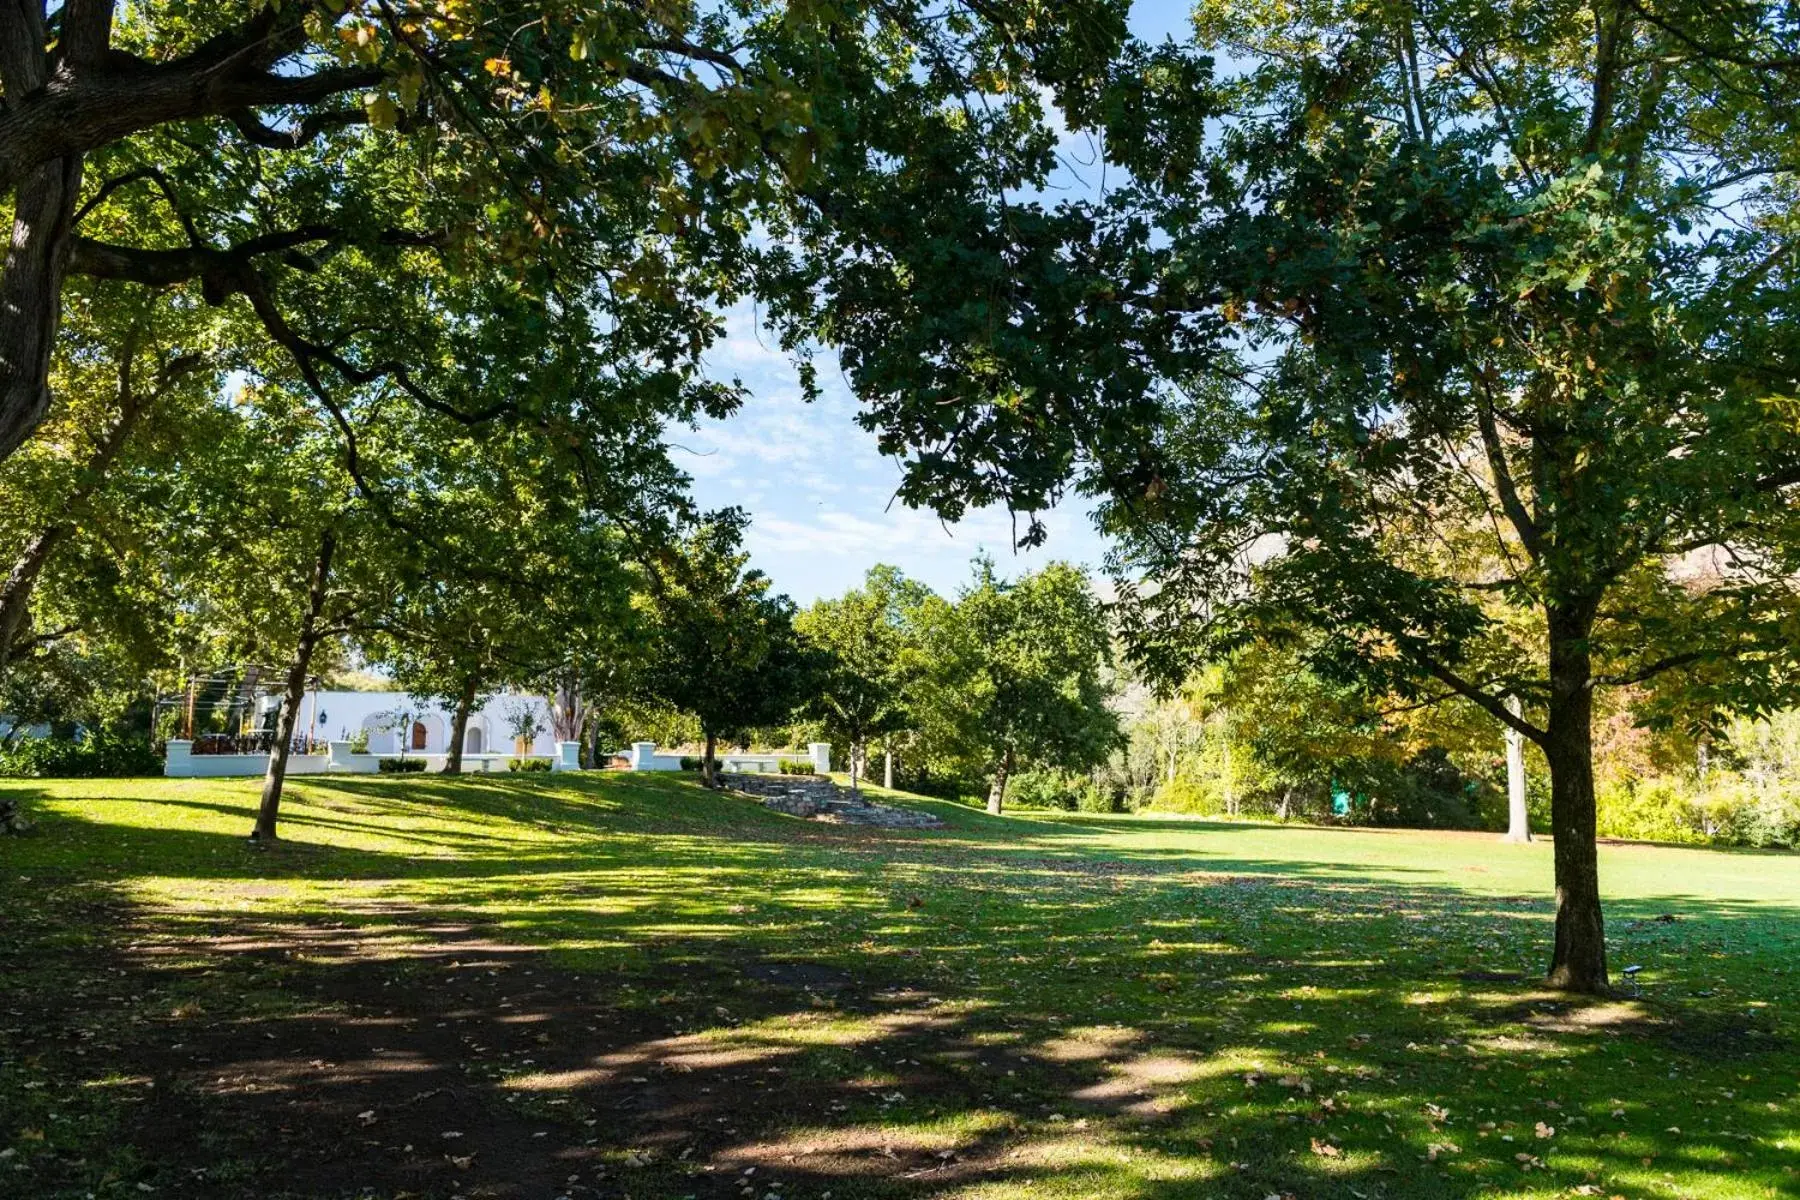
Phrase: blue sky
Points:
(819, 493)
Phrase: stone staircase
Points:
(818, 798)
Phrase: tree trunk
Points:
(855, 762)
(593, 743)
(997, 792)
(567, 712)
(31, 292)
(709, 766)
(15, 593)
(887, 769)
(1518, 818)
(1231, 807)
(1578, 963)
(269, 811)
(459, 728)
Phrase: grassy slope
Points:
(1132, 1007)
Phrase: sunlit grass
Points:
(1032, 1005)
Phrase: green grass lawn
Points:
(626, 986)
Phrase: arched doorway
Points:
(474, 742)
(418, 735)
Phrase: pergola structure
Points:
(220, 711)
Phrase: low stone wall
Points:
(818, 798)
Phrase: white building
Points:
(338, 716)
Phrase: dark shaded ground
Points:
(374, 1061)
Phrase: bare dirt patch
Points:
(434, 1058)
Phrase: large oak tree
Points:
(1369, 276)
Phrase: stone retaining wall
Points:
(818, 798)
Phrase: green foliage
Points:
(1722, 810)
(1012, 676)
(522, 722)
(1064, 790)
(399, 766)
(528, 764)
(789, 767)
(359, 740)
(721, 647)
(869, 659)
(95, 755)
(691, 762)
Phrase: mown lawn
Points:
(625, 986)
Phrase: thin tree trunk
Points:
(593, 743)
(887, 768)
(15, 593)
(1518, 818)
(459, 727)
(1231, 807)
(855, 762)
(31, 292)
(709, 766)
(997, 791)
(1578, 963)
(269, 811)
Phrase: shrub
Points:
(797, 768)
(1648, 810)
(1060, 789)
(95, 756)
(1427, 792)
(1184, 794)
(399, 766)
(1093, 798)
(528, 764)
(359, 742)
(691, 762)
(1726, 811)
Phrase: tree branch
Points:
(1530, 536)
(220, 271)
(85, 32)
(306, 130)
(1657, 668)
(84, 105)
(1492, 704)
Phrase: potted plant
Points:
(522, 721)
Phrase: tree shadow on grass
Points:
(304, 1056)
(647, 976)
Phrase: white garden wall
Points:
(180, 762)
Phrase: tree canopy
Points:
(869, 660)
(722, 647)
(1402, 318)
(1012, 674)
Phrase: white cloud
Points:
(821, 496)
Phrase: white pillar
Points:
(1518, 819)
(643, 754)
(568, 757)
(337, 756)
(821, 756)
(178, 758)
